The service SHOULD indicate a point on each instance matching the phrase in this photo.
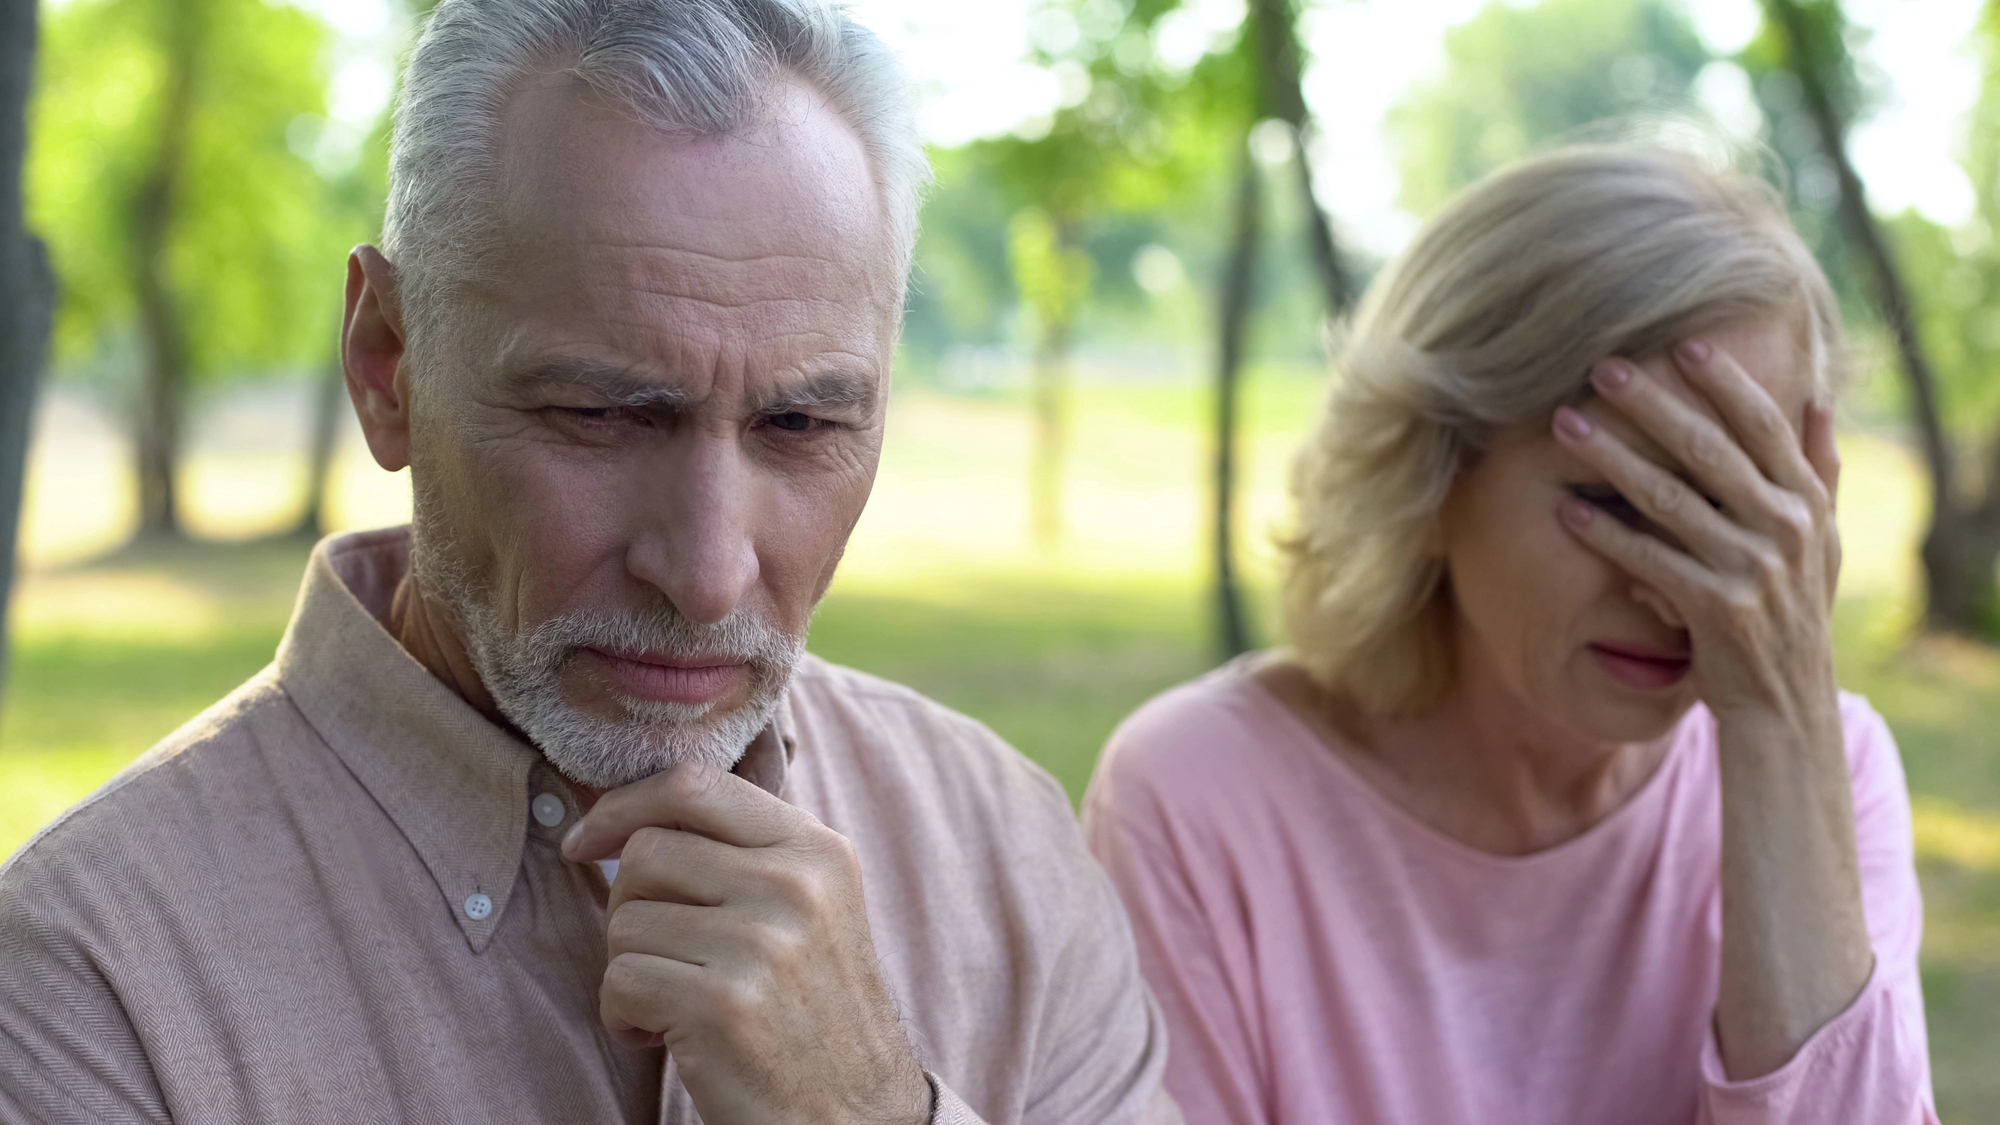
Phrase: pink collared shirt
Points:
(338, 896)
(1324, 957)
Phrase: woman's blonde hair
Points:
(1491, 319)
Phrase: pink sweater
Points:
(1324, 958)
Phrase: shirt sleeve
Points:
(1214, 1071)
(68, 1052)
(1104, 1051)
(1872, 1061)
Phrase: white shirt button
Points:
(478, 906)
(548, 809)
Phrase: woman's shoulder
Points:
(1197, 741)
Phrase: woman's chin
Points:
(1616, 717)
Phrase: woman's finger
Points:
(1750, 413)
(1691, 439)
(1820, 448)
(1673, 574)
(1824, 453)
(1667, 502)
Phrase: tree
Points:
(1277, 95)
(1517, 77)
(26, 290)
(190, 229)
(1130, 137)
(1962, 545)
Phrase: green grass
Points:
(1052, 666)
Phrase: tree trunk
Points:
(1237, 281)
(27, 291)
(1960, 548)
(1278, 58)
(329, 396)
(163, 396)
(1051, 391)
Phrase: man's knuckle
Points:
(735, 1004)
(626, 977)
(689, 783)
(777, 948)
(803, 889)
(629, 925)
(646, 843)
(837, 850)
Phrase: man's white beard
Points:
(523, 674)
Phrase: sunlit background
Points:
(1039, 551)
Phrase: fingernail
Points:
(572, 838)
(1577, 512)
(1695, 351)
(1572, 424)
(1611, 375)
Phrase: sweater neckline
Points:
(1647, 796)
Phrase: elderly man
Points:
(541, 813)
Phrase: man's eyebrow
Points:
(840, 387)
(612, 382)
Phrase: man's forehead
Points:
(583, 177)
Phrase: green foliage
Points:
(1140, 139)
(1954, 276)
(960, 290)
(1805, 174)
(257, 234)
(1955, 288)
(1054, 277)
(1520, 77)
(1139, 135)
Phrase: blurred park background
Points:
(1149, 217)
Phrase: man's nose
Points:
(695, 540)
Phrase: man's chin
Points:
(606, 751)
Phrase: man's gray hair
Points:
(691, 68)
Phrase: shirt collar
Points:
(455, 783)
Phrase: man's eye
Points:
(1610, 501)
(791, 421)
(597, 413)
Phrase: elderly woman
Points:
(1550, 811)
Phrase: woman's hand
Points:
(1751, 553)
(1742, 552)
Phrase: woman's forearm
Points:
(1795, 947)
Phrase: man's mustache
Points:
(661, 631)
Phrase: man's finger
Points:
(643, 996)
(692, 935)
(691, 797)
(669, 865)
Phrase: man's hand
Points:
(739, 940)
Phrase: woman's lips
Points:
(661, 679)
(1639, 668)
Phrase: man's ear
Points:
(372, 343)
